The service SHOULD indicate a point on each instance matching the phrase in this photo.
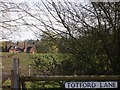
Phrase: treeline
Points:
(90, 32)
(92, 35)
(92, 59)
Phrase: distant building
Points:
(15, 49)
(30, 50)
(20, 47)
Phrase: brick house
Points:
(15, 49)
(20, 47)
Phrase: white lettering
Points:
(108, 84)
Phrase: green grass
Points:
(7, 61)
(27, 59)
(43, 84)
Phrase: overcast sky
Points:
(25, 33)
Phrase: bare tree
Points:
(10, 18)
(91, 30)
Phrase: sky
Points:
(22, 33)
(25, 33)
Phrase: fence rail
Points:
(68, 78)
(18, 81)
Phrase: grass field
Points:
(7, 61)
(27, 59)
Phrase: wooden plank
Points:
(6, 87)
(23, 85)
(6, 76)
(12, 79)
(70, 78)
(29, 70)
(16, 74)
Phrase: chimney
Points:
(25, 47)
(6, 46)
(17, 43)
(33, 43)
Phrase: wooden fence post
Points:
(16, 75)
(12, 79)
(29, 70)
(23, 85)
